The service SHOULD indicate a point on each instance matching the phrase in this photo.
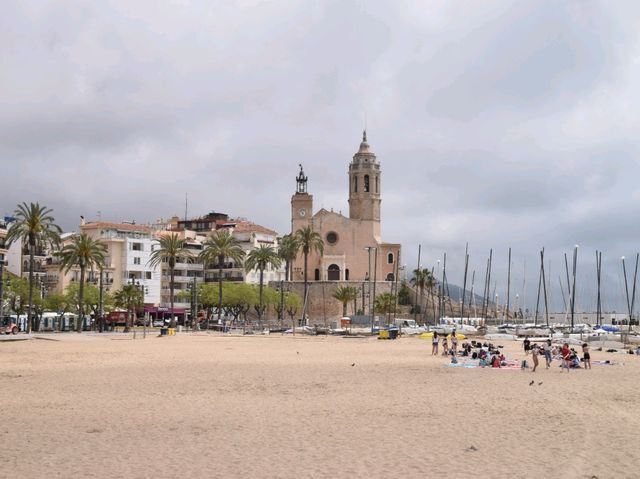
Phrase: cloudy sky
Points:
(501, 124)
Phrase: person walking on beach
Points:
(586, 357)
(566, 356)
(527, 346)
(434, 344)
(547, 353)
(534, 357)
(454, 342)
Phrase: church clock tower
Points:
(301, 204)
(364, 185)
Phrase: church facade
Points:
(353, 248)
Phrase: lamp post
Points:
(141, 287)
(368, 249)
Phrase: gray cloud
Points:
(497, 123)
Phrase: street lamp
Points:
(143, 289)
(371, 298)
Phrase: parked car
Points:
(9, 326)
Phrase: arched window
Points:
(390, 277)
(317, 274)
(355, 184)
(333, 273)
(390, 258)
(366, 183)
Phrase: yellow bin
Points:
(383, 334)
(172, 331)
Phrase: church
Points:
(353, 246)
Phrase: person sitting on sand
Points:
(586, 357)
(434, 344)
(495, 362)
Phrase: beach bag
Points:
(454, 360)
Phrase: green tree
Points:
(292, 302)
(170, 248)
(91, 298)
(17, 294)
(422, 279)
(309, 241)
(384, 304)
(344, 294)
(404, 294)
(36, 229)
(57, 302)
(238, 299)
(220, 246)
(84, 252)
(128, 297)
(288, 251)
(261, 258)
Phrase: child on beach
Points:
(547, 353)
(454, 342)
(434, 344)
(566, 356)
(586, 357)
(534, 357)
(527, 346)
(445, 346)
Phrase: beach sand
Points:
(208, 406)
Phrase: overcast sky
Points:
(496, 123)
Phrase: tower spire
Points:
(364, 135)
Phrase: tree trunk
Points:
(81, 300)
(261, 296)
(344, 308)
(172, 322)
(32, 246)
(304, 300)
(220, 260)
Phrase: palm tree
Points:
(384, 303)
(35, 227)
(84, 252)
(308, 240)
(344, 294)
(170, 248)
(261, 258)
(288, 251)
(129, 297)
(419, 280)
(221, 245)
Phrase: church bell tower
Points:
(301, 203)
(364, 184)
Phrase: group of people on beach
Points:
(446, 351)
(568, 356)
(488, 355)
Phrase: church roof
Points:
(364, 146)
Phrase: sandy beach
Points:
(290, 407)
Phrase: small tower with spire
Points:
(301, 203)
(364, 184)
